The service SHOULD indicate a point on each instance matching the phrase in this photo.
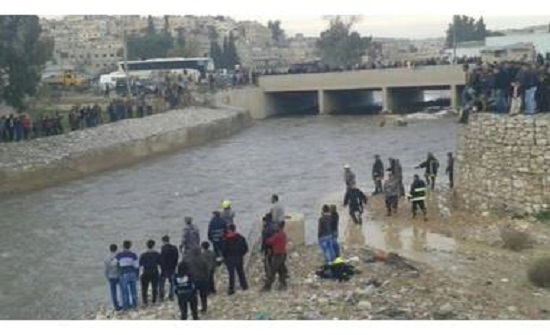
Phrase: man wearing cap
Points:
(227, 214)
(349, 176)
(191, 236)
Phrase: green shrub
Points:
(543, 216)
(515, 240)
(539, 272)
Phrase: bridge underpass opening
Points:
(421, 99)
(296, 103)
(351, 101)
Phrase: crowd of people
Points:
(507, 87)
(170, 95)
(190, 271)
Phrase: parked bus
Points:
(194, 67)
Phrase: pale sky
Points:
(381, 18)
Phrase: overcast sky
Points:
(381, 18)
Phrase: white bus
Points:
(143, 69)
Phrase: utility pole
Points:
(454, 39)
(125, 48)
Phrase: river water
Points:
(53, 241)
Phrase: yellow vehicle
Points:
(67, 79)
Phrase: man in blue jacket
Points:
(216, 231)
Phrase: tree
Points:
(166, 24)
(152, 44)
(22, 55)
(216, 54)
(339, 46)
(464, 28)
(277, 34)
(150, 26)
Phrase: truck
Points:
(67, 79)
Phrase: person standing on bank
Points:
(417, 195)
(210, 258)
(216, 231)
(377, 174)
(277, 211)
(112, 275)
(391, 191)
(234, 250)
(431, 165)
(198, 267)
(349, 176)
(277, 242)
(191, 237)
(324, 235)
(228, 215)
(450, 168)
(186, 292)
(128, 267)
(356, 200)
(150, 262)
(169, 261)
(334, 223)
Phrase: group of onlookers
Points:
(191, 276)
(15, 128)
(508, 87)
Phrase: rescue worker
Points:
(391, 191)
(349, 176)
(417, 195)
(450, 168)
(431, 165)
(227, 214)
(377, 174)
(356, 199)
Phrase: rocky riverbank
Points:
(475, 279)
(48, 161)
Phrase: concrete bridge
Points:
(331, 92)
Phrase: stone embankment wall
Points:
(48, 161)
(503, 164)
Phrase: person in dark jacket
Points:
(431, 165)
(210, 259)
(191, 236)
(277, 243)
(198, 267)
(399, 177)
(325, 236)
(356, 200)
(216, 231)
(450, 168)
(377, 174)
(150, 262)
(186, 292)
(391, 191)
(417, 195)
(334, 222)
(234, 249)
(168, 262)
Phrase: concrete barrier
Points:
(295, 229)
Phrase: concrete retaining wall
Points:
(49, 161)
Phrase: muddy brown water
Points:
(53, 241)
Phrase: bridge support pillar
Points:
(325, 102)
(387, 100)
(455, 97)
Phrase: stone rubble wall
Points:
(49, 161)
(503, 164)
